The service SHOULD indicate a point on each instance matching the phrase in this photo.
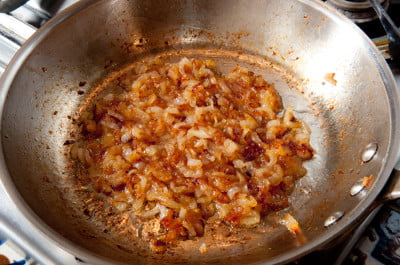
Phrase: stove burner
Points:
(360, 11)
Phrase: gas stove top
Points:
(18, 25)
(377, 239)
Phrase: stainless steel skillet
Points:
(320, 63)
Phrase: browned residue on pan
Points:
(330, 77)
(367, 180)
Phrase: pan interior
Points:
(125, 228)
(330, 83)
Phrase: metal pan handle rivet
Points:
(356, 189)
(333, 219)
(369, 152)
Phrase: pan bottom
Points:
(122, 232)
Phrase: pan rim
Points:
(390, 159)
